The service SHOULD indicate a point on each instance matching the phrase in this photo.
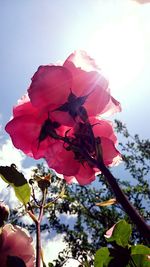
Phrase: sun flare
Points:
(119, 50)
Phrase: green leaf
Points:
(102, 257)
(121, 233)
(23, 193)
(141, 260)
(139, 255)
(17, 180)
(140, 249)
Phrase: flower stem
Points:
(38, 244)
(38, 232)
(143, 228)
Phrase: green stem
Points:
(144, 229)
(38, 232)
(38, 245)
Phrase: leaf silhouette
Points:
(12, 175)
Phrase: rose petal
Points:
(63, 118)
(103, 128)
(112, 107)
(85, 175)
(24, 107)
(16, 242)
(111, 156)
(81, 59)
(70, 179)
(110, 231)
(23, 131)
(61, 160)
(87, 79)
(50, 86)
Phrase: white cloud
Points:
(71, 263)
(9, 154)
(52, 247)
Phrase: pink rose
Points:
(31, 130)
(68, 89)
(15, 241)
(61, 97)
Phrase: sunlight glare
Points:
(119, 50)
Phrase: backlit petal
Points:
(50, 86)
(85, 175)
(111, 156)
(81, 59)
(61, 160)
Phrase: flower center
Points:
(74, 106)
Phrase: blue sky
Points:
(115, 32)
